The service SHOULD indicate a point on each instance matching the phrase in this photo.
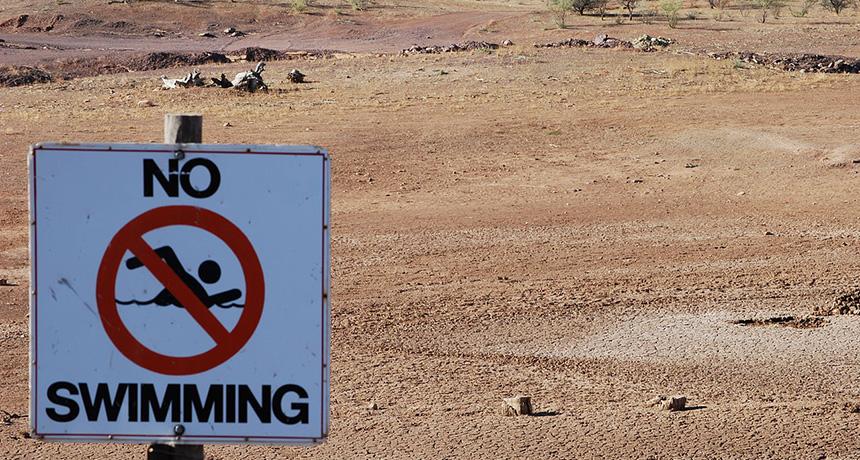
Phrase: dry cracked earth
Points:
(588, 227)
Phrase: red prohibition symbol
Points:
(130, 238)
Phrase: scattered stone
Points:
(741, 193)
(206, 35)
(805, 322)
(691, 165)
(229, 30)
(672, 404)
(7, 418)
(145, 103)
(16, 22)
(453, 48)
(844, 304)
(516, 406)
(815, 63)
(191, 80)
(228, 125)
(769, 233)
(507, 43)
(23, 75)
(655, 401)
(295, 76)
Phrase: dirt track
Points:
(581, 226)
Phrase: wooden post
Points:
(179, 129)
(183, 129)
(518, 405)
(168, 452)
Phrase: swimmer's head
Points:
(209, 272)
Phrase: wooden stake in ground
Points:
(179, 129)
(518, 405)
(183, 129)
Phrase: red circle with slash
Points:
(130, 238)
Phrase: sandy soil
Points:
(581, 226)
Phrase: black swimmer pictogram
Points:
(209, 272)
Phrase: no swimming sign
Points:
(180, 296)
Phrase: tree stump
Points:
(518, 405)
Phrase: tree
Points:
(767, 6)
(837, 6)
(671, 8)
(580, 6)
(560, 10)
(629, 5)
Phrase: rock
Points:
(675, 403)
(518, 405)
(655, 401)
(373, 406)
(229, 30)
(4, 282)
(845, 304)
(507, 43)
(600, 39)
(672, 404)
(206, 35)
(852, 407)
(742, 193)
(228, 125)
(296, 76)
(145, 103)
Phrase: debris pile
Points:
(262, 54)
(643, 43)
(648, 43)
(845, 304)
(190, 80)
(816, 63)
(163, 60)
(23, 75)
(250, 81)
(600, 41)
(232, 32)
(453, 48)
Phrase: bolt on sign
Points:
(179, 296)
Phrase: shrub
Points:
(837, 6)
(358, 5)
(560, 10)
(671, 8)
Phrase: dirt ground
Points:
(583, 226)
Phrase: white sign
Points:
(179, 296)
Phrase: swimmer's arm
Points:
(226, 296)
(165, 252)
